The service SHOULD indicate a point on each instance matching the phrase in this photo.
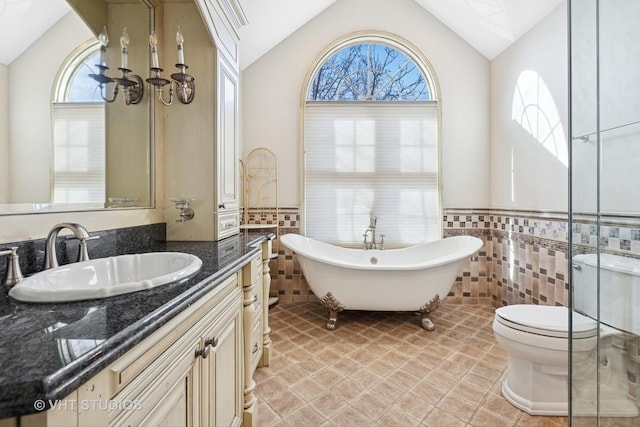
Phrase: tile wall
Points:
(498, 275)
(523, 260)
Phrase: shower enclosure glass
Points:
(604, 211)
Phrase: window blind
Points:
(371, 158)
(79, 152)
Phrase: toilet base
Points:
(621, 407)
(553, 408)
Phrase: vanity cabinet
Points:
(190, 372)
(253, 334)
(196, 380)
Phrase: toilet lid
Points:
(545, 320)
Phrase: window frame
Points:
(60, 90)
(411, 52)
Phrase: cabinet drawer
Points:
(256, 342)
(253, 271)
(129, 366)
(227, 224)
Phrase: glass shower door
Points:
(605, 211)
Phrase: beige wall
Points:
(525, 174)
(190, 129)
(272, 90)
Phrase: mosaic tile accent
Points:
(527, 255)
(608, 233)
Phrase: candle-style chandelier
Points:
(184, 83)
(132, 85)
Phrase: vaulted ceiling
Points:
(490, 26)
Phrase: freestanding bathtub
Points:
(407, 279)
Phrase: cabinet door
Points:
(172, 399)
(224, 392)
(228, 125)
(227, 150)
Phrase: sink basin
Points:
(106, 277)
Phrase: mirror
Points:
(65, 152)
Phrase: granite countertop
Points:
(49, 350)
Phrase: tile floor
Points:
(382, 369)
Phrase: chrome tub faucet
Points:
(371, 233)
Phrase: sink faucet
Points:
(371, 232)
(81, 233)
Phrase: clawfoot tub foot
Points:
(425, 310)
(334, 306)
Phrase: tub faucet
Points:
(81, 233)
(371, 233)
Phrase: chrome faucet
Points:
(81, 233)
(13, 273)
(371, 232)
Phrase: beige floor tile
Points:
(349, 417)
(395, 417)
(306, 416)
(371, 405)
(415, 406)
(328, 404)
(382, 369)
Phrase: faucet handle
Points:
(83, 252)
(13, 274)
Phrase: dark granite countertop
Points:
(49, 350)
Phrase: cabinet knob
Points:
(203, 352)
(221, 206)
(213, 342)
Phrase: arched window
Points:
(371, 145)
(78, 130)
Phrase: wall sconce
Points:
(132, 84)
(185, 88)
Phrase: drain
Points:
(373, 260)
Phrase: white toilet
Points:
(536, 339)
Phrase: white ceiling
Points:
(22, 22)
(490, 26)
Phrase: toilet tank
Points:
(619, 289)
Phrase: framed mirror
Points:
(69, 145)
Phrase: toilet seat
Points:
(548, 321)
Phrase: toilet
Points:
(536, 340)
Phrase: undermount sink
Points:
(106, 277)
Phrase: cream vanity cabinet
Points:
(257, 342)
(190, 372)
(194, 381)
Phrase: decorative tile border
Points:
(609, 233)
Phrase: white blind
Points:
(79, 152)
(366, 158)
